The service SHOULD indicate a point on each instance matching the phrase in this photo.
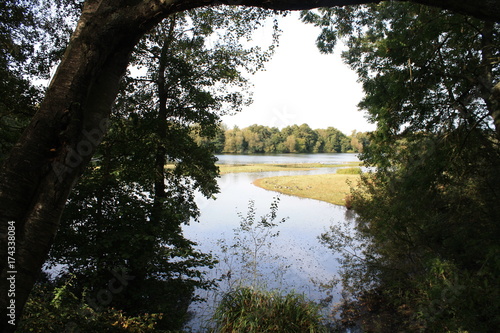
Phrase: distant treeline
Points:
(292, 139)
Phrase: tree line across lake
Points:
(257, 139)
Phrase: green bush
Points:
(59, 310)
(249, 310)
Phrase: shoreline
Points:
(264, 167)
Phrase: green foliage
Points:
(33, 35)
(259, 139)
(424, 255)
(17, 106)
(419, 66)
(126, 213)
(19, 97)
(57, 309)
(251, 310)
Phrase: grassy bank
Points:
(331, 188)
(249, 310)
(235, 168)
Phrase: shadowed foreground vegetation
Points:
(249, 310)
(424, 254)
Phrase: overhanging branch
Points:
(486, 10)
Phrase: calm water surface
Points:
(287, 158)
(296, 247)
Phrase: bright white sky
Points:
(301, 85)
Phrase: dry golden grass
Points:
(332, 188)
(229, 168)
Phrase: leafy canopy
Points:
(126, 213)
(428, 213)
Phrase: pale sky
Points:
(301, 85)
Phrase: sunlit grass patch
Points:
(349, 171)
(332, 188)
(236, 168)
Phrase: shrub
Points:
(59, 310)
(249, 310)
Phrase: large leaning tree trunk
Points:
(42, 168)
(37, 177)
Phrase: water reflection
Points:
(326, 158)
(297, 246)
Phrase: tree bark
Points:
(161, 130)
(489, 91)
(495, 112)
(41, 169)
(39, 174)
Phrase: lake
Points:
(287, 158)
(297, 247)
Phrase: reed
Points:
(249, 310)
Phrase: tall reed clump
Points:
(248, 310)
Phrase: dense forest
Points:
(258, 139)
(423, 254)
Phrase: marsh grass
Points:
(349, 171)
(332, 188)
(249, 310)
(237, 168)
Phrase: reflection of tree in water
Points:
(259, 256)
(249, 258)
